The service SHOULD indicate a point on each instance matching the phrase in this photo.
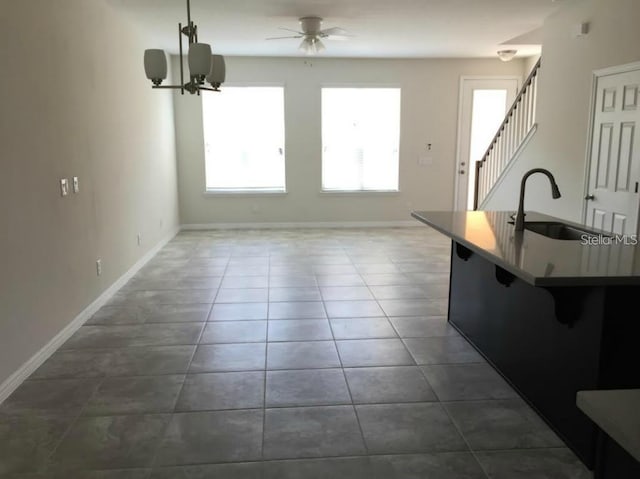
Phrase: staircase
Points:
(518, 126)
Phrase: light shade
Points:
(218, 70)
(312, 45)
(199, 59)
(507, 55)
(155, 65)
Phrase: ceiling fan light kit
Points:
(312, 45)
(203, 65)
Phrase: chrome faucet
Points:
(555, 193)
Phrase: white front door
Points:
(484, 103)
(612, 199)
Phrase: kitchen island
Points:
(552, 316)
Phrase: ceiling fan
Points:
(312, 33)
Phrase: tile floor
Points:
(278, 354)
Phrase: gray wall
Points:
(564, 100)
(75, 102)
(430, 90)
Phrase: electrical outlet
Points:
(99, 267)
(139, 239)
(76, 184)
(64, 187)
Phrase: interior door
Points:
(614, 172)
(484, 103)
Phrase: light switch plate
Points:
(64, 187)
(76, 184)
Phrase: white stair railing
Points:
(517, 124)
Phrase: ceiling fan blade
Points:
(290, 30)
(281, 38)
(335, 33)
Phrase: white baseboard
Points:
(13, 381)
(303, 224)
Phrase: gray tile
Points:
(297, 310)
(362, 328)
(62, 397)
(175, 313)
(211, 471)
(246, 270)
(335, 257)
(386, 279)
(442, 465)
(292, 280)
(346, 293)
(373, 352)
(210, 437)
(118, 315)
(501, 424)
(311, 432)
(241, 390)
(444, 350)
(533, 463)
(244, 295)
(62, 473)
(398, 292)
(353, 309)
(228, 357)
(299, 330)
(209, 279)
(120, 336)
(310, 387)
(414, 307)
(111, 442)
(88, 363)
(136, 395)
(278, 268)
(302, 355)
(388, 385)
(340, 280)
(339, 468)
(465, 382)
(403, 428)
(238, 311)
(234, 332)
(421, 327)
(164, 297)
(26, 442)
(359, 258)
(334, 269)
(378, 268)
(245, 282)
(108, 474)
(309, 293)
(249, 259)
(150, 361)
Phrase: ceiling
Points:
(380, 28)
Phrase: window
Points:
(244, 139)
(360, 139)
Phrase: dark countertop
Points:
(534, 258)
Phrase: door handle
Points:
(589, 197)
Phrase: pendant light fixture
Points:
(203, 65)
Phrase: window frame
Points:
(364, 86)
(247, 191)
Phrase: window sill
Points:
(243, 192)
(359, 192)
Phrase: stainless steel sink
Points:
(559, 231)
